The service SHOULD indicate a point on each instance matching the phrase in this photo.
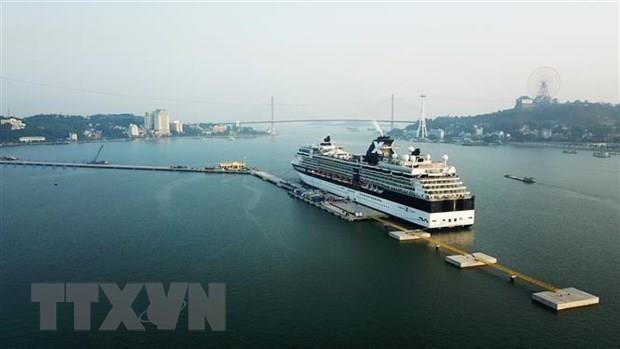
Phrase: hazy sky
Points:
(223, 62)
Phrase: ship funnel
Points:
(380, 148)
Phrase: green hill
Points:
(572, 121)
(57, 127)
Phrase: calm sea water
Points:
(295, 275)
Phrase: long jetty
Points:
(114, 166)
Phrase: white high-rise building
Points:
(158, 121)
(161, 120)
(176, 126)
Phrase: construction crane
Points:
(95, 159)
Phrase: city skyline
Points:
(210, 62)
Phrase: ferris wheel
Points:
(544, 84)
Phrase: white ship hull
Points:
(425, 219)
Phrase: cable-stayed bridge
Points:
(290, 121)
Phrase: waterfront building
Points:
(148, 121)
(133, 130)
(161, 120)
(524, 102)
(16, 124)
(437, 133)
(31, 139)
(478, 131)
(157, 121)
(73, 137)
(232, 166)
(219, 129)
(176, 126)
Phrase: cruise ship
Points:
(411, 187)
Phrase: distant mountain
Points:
(571, 121)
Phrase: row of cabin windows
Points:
(449, 219)
(338, 171)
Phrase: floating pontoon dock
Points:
(553, 297)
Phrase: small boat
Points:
(569, 151)
(601, 154)
(528, 180)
